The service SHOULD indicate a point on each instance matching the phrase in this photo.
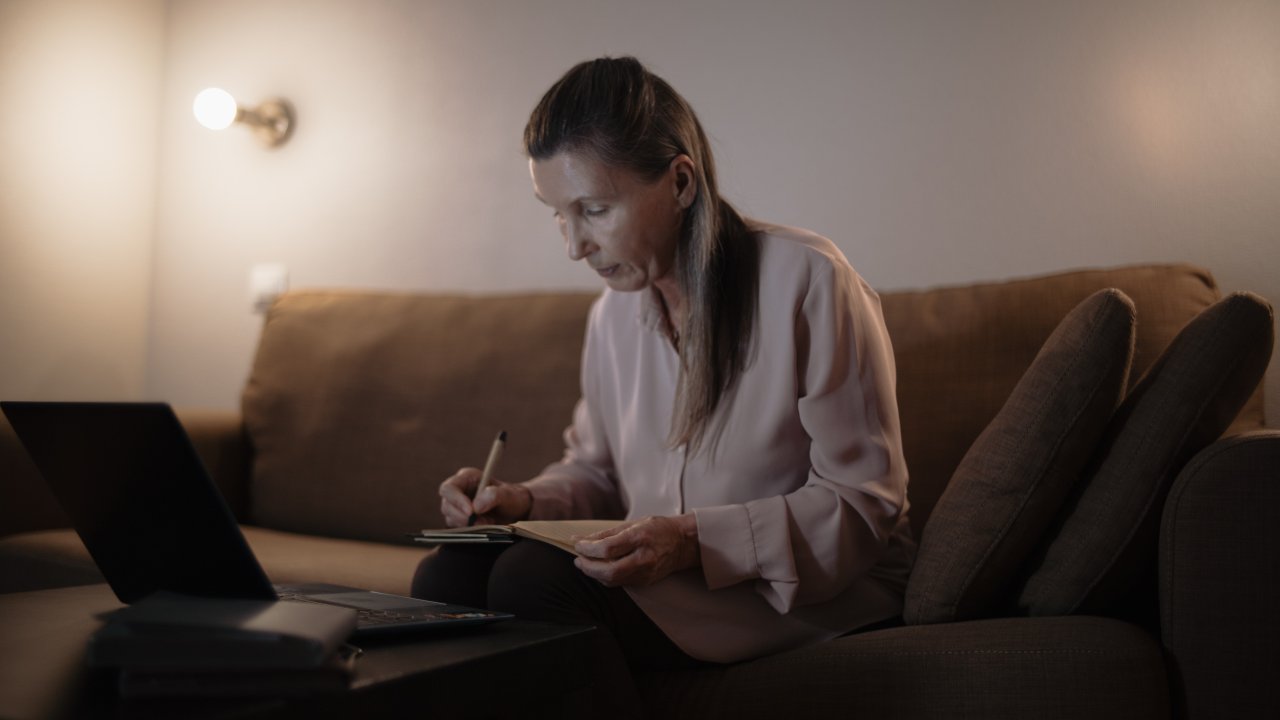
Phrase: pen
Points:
(494, 454)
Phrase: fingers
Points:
(463, 482)
(614, 573)
(498, 503)
(609, 549)
(485, 500)
(487, 506)
(455, 496)
(630, 554)
(637, 553)
(611, 544)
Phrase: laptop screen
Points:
(140, 498)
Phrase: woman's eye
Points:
(595, 211)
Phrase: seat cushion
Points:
(1014, 478)
(292, 558)
(1101, 556)
(56, 558)
(45, 559)
(1076, 667)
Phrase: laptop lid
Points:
(140, 498)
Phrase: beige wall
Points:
(935, 142)
(79, 107)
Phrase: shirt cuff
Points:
(727, 545)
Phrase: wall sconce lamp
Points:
(271, 121)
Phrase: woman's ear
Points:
(686, 181)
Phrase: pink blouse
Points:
(800, 490)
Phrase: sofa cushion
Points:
(57, 558)
(45, 559)
(295, 558)
(1103, 551)
(1070, 667)
(1014, 478)
(359, 405)
(960, 350)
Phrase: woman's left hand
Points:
(640, 552)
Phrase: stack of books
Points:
(171, 645)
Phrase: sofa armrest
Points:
(1220, 579)
(222, 443)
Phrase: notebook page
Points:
(558, 532)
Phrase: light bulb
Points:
(215, 108)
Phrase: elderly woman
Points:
(737, 410)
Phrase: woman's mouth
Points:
(607, 271)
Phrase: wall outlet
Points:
(267, 281)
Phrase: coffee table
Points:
(516, 668)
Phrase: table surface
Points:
(450, 673)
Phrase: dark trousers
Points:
(535, 581)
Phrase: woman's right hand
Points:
(498, 504)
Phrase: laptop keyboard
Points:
(366, 617)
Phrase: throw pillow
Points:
(1014, 478)
(1102, 558)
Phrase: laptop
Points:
(152, 519)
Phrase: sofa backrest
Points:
(359, 404)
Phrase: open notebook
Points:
(551, 532)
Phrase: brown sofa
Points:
(359, 404)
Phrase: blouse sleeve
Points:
(583, 484)
(808, 545)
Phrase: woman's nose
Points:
(575, 242)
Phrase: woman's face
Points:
(626, 229)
